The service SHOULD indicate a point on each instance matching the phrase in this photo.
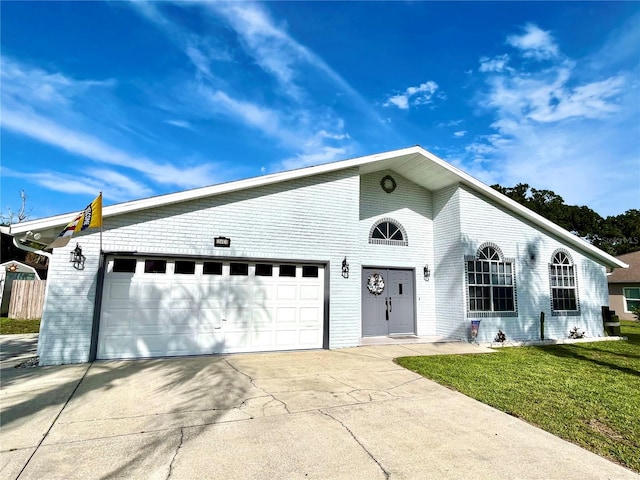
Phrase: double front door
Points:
(387, 302)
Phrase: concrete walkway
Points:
(343, 414)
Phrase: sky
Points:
(141, 99)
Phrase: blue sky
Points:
(140, 99)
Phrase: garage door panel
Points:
(310, 292)
(184, 318)
(287, 292)
(167, 314)
(286, 315)
(118, 318)
(310, 337)
(286, 338)
(149, 317)
(152, 291)
(122, 290)
(210, 319)
(262, 339)
(309, 315)
(264, 293)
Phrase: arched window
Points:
(388, 232)
(563, 284)
(491, 282)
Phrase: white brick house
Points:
(428, 249)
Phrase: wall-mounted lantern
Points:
(76, 257)
(427, 273)
(345, 268)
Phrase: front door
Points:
(387, 302)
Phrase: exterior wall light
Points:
(76, 257)
(345, 268)
(12, 268)
(427, 273)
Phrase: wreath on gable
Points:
(375, 284)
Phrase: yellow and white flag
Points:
(90, 217)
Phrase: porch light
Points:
(76, 257)
(12, 268)
(345, 268)
(427, 273)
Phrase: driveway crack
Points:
(176, 453)
(386, 474)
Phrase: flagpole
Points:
(101, 222)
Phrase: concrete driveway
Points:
(344, 414)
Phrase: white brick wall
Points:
(482, 221)
(448, 276)
(304, 219)
(410, 205)
(323, 219)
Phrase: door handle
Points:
(390, 305)
(386, 302)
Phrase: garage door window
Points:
(264, 270)
(155, 266)
(287, 270)
(183, 267)
(309, 271)
(212, 268)
(124, 265)
(239, 269)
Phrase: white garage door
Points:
(155, 307)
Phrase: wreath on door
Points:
(375, 284)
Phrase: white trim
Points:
(411, 155)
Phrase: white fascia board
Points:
(196, 193)
(530, 215)
(193, 194)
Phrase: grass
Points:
(9, 326)
(586, 393)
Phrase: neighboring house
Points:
(624, 286)
(395, 244)
(10, 271)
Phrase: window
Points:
(631, 298)
(124, 265)
(239, 269)
(388, 232)
(264, 270)
(185, 267)
(287, 270)
(212, 268)
(309, 271)
(155, 266)
(562, 281)
(491, 282)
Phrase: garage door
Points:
(155, 307)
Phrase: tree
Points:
(615, 235)
(22, 214)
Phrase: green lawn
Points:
(587, 393)
(10, 326)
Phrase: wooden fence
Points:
(27, 299)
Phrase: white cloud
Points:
(294, 120)
(115, 186)
(323, 155)
(180, 124)
(420, 95)
(495, 64)
(451, 123)
(460, 133)
(534, 43)
(57, 116)
(559, 127)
